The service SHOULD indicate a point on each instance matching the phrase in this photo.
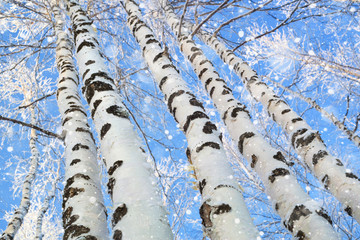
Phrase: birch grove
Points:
(187, 120)
(306, 141)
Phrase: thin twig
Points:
(32, 126)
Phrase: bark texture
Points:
(301, 215)
(223, 211)
(131, 184)
(82, 198)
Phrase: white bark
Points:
(82, 198)
(138, 212)
(344, 185)
(301, 215)
(223, 211)
(19, 214)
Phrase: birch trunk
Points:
(223, 211)
(82, 198)
(19, 214)
(340, 125)
(131, 184)
(344, 185)
(301, 215)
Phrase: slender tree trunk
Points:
(82, 199)
(18, 217)
(344, 185)
(138, 212)
(340, 125)
(223, 211)
(301, 215)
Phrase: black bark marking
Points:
(351, 175)
(195, 102)
(172, 97)
(71, 192)
(95, 105)
(298, 212)
(115, 166)
(207, 82)
(75, 161)
(117, 235)
(212, 91)
(242, 139)
(277, 206)
(117, 111)
(297, 133)
(110, 186)
(326, 181)
(208, 144)
(65, 120)
(278, 172)
(96, 86)
(193, 56)
(307, 139)
(223, 208)
(280, 157)
(193, 116)
(79, 146)
(339, 163)
(209, 127)
(104, 130)
(85, 44)
(60, 90)
(202, 72)
(89, 62)
(235, 111)
(99, 74)
(296, 120)
(349, 211)
(254, 160)
(322, 213)
(118, 214)
(158, 56)
(202, 184)
(170, 66)
(162, 82)
(319, 155)
(75, 231)
(205, 211)
(300, 235)
(225, 185)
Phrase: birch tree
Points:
(82, 199)
(223, 212)
(134, 197)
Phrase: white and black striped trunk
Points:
(339, 124)
(301, 215)
(223, 210)
(131, 184)
(82, 198)
(344, 185)
(19, 214)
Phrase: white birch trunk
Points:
(301, 215)
(19, 214)
(223, 211)
(84, 213)
(340, 125)
(138, 212)
(344, 185)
